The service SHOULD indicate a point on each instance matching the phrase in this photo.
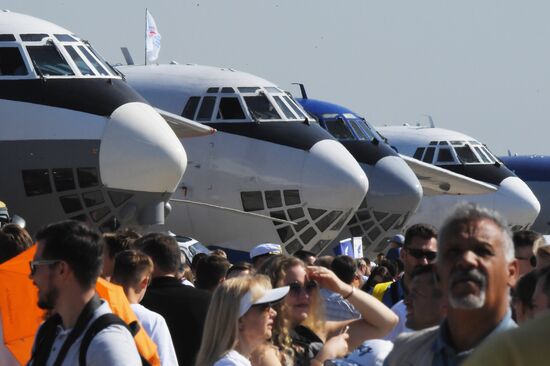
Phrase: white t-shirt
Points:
(113, 346)
(233, 358)
(400, 309)
(155, 326)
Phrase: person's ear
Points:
(513, 271)
(144, 282)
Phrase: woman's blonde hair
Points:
(221, 327)
(276, 268)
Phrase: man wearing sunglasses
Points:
(419, 249)
(65, 269)
(477, 268)
(525, 243)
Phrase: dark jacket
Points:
(184, 309)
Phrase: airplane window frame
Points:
(89, 56)
(419, 152)
(191, 106)
(485, 159)
(287, 111)
(429, 154)
(357, 130)
(68, 47)
(460, 158)
(23, 60)
(271, 114)
(221, 117)
(352, 136)
(364, 126)
(447, 148)
(54, 51)
(211, 108)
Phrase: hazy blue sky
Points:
(480, 67)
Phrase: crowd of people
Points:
(448, 297)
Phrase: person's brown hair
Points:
(130, 267)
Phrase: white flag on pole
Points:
(152, 39)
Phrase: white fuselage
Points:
(282, 168)
(464, 155)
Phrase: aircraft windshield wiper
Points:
(38, 70)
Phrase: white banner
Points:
(152, 39)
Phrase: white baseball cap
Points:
(266, 248)
(273, 295)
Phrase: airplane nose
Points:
(332, 177)
(517, 202)
(139, 151)
(393, 186)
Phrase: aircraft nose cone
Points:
(139, 151)
(393, 186)
(332, 177)
(517, 202)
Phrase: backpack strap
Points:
(44, 340)
(97, 326)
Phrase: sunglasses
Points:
(420, 254)
(41, 262)
(296, 287)
(263, 307)
(532, 260)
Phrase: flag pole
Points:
(145, 46)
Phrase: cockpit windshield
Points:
(49, 61)
(57, 56)
(455, 152)
(260, 107)
(244, 103)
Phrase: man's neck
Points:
(467, 328)
(70, 308)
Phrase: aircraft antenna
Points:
(127, 56)
(234, 210)
(302, 90)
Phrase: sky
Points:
(478, 67)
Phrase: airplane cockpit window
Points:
(466, 154)
(33, 37)
(79, 62)
(91, 59)
(228, 90)
(294, 107)
(49, 61)
(11, 62)
(7, 38)
(482, 154)
(429, 155)
(361, 135)
(445, 155)
(206, 109)
(260, 107)
(339, 129)
(284, 108)
(190, 107)
(212, 90)
(248, 89)
(230, 108)
(418, 153)
(65, 38)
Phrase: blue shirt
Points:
(446, 355)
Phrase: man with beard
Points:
(65, 269)
(477, 268)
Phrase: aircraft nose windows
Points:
(11, 62)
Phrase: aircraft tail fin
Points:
(127, 56)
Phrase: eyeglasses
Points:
(41, 262)
(532, 260)
(263, 307)
(420, 254)
(296, 287)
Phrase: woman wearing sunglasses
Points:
(240, 317)
(301, 334)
